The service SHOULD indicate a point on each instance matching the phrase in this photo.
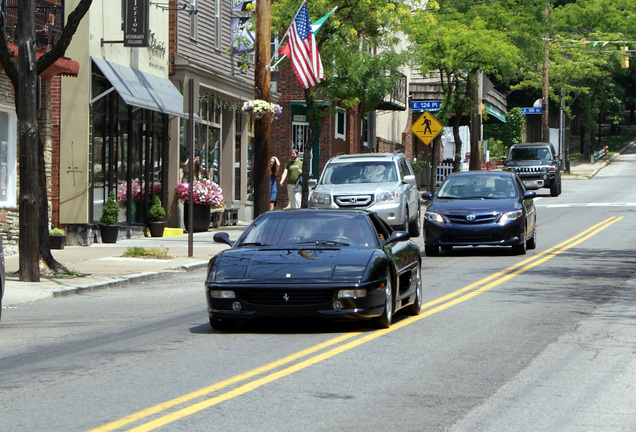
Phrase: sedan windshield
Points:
(336, 229)
(359, 172)
(477, 187)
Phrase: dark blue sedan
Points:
(333, 264)
(480, 208)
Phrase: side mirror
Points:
(529, 195)
(409, 179)
(427, 196)
(223, 237)
(397, 236)
(312, 183)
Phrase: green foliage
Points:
(418, 165)
(57, 231)
(507, 134)
(110, 212)
(141, 252)
(70, 274)
(156, 212)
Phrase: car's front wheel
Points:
(415, 225)
(384, 320)
(416, 306)
(520, 248)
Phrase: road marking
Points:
(588, 205)
(334, 346)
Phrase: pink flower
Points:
(204, 192)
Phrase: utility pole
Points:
(262, 54)
(545, 94)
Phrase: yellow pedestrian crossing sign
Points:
(426, 127)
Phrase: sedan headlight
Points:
(510, 216)
(320, 198)
(434, 217)
(387, 196)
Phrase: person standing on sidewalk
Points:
(292, 172)
(274, 166)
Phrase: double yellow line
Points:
(332, 347)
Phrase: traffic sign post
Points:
(426, 127)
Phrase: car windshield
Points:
(529, 153)
(477, 187)
(359, 172)
(336, 229)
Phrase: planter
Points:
(109, 233)
(57, 241)
(200, 217)
(156, 228)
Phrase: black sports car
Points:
(335, 264)
(480, 208)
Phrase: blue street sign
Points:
(533, 110)
(425, 105)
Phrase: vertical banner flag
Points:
(242, 38)
(302, 50)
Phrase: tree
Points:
(456, 43)
(33, 205)
(356, 46)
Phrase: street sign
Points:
(533, 110)
(425, 105)
(426, 127)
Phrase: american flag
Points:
(302, 50)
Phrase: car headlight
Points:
(222, 294)
(434, 217)
(386, 196)
(510, 216)
(352, 293)
(320, 198)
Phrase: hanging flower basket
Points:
(257, 108)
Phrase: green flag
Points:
(315, 26)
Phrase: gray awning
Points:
(142, 89)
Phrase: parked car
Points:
(537, 164)
(333, 264)
(380, 182)
(480, 208)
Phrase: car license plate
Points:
(533, 184)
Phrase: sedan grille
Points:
(283, 297)
(474, 220)
(353, 200)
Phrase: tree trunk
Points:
(28, 143)
(457, 162)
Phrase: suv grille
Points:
(353, 200)
(530, 170)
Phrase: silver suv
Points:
(380, 182)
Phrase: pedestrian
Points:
(291, 173)
(274, 166)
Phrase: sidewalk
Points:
(103, 266)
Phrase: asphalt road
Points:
(540, 342)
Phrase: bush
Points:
(156, 212)
(110, 212)
(57, 231)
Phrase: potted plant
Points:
(154, 218)
(258, 108)
(206, 195)
(57, 238)
(110, 214)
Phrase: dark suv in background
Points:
(537, 165)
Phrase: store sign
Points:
(136, 23)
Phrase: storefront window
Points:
(8, 137)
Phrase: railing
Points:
(49, 22)
(443, 170)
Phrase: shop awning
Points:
(62, 66)
(142, 89)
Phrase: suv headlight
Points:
(386, 196)
(510, 216)
(320, 198)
